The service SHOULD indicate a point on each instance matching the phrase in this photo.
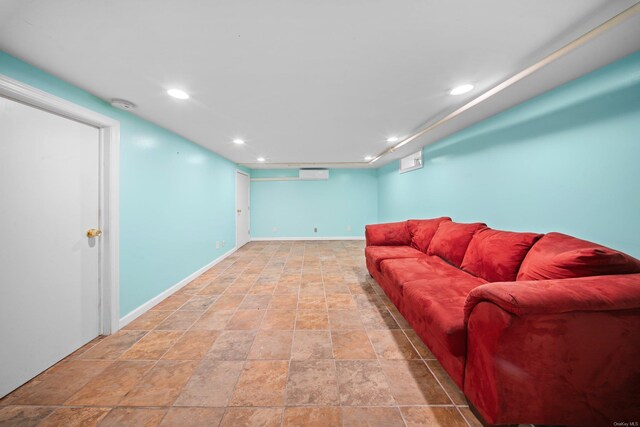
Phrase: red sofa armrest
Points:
(389, 234)
(598, 293)
(555, 352)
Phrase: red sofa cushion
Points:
(389, 234)
(423, 230)
(496, 255)
(558, 256)
(376, 254)
(434, 307)
(452, 239)
(389, 288)
(398, 271)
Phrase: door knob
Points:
(94, 232)
(238, 210)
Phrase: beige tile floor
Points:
(279, 333)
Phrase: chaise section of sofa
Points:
(555, 351)
(534, 329)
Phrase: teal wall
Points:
(568, 161)
(176, 198)
(347, 199)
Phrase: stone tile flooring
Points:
(279, 333)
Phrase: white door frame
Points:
(248, 204)
(109, 187)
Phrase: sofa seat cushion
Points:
(423, 230)
(400, 271)
(452, 239)
(434, 307)
(496, 255)
(376, 254)
(389, 288)
(558, 256)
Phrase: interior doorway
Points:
(243, 233)
(58, 227)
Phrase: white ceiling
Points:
(307, 81)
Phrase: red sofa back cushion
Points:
(558, 256)
(496, 255)
(389, 234)
(452, 239)
(423, 230)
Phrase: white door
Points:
(242, 209)
(49, 295)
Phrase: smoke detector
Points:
(123, 104)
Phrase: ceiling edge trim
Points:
(291, 165)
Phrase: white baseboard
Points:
(264, 239)
(137, 312)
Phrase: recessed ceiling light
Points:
(367, 158)
(260, 159)
(459, 90)
(238, 141)
(177, 93)
(393, 139)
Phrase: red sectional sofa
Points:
(541, 329)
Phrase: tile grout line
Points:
(293, 337)
(334, 365)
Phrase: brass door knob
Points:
(94, 232)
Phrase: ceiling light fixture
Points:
(367, 158)
(238, 141)
(123, 104)
(459, 90)
(393, 139)
(178, 94)
(260, 159)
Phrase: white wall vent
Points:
(411, 162)
(313, 174)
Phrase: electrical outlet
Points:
(315, 229)
(217, 244)
(348, 228)
(274, 229)
(223, 243)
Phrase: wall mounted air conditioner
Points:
(313, 174)
(411, 162)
